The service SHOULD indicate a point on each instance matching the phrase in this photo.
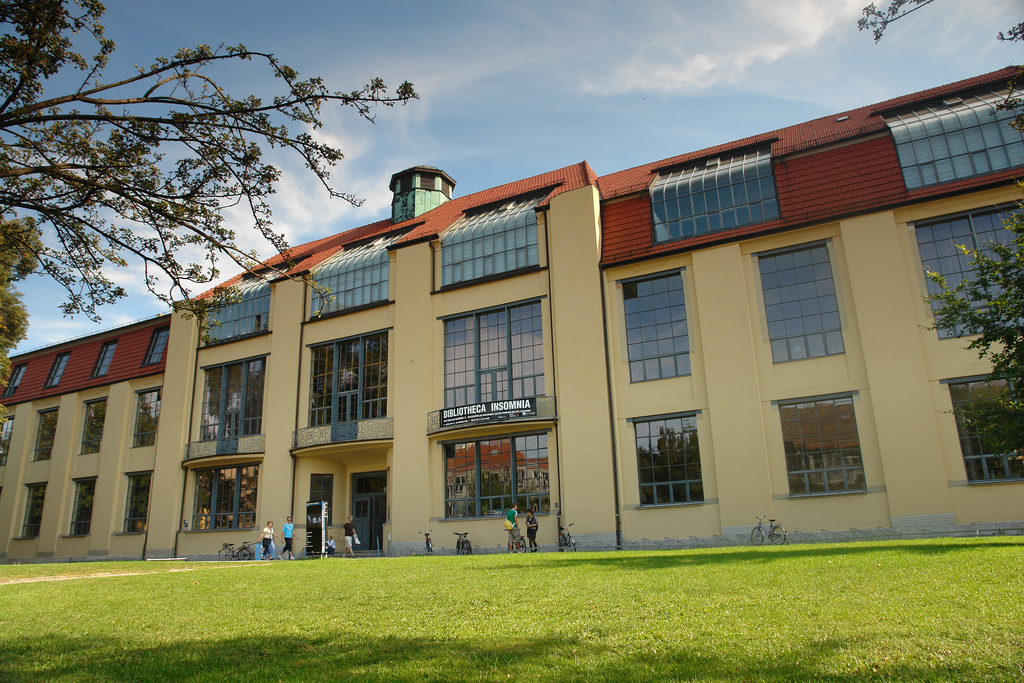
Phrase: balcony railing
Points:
(546, 408)
(344, 432)
(231, 445)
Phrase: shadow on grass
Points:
(349, 657)
(654, 559)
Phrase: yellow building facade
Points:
(658, 356)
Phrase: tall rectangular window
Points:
(81, 517)
(494, 355)
(5, 439)
(57, 370)
(957, 138)
(33, 510)
(657, 338)
(349, 380)
(484, 478)
(822, 446)
(147, 418)
(233, 400)
(939, 245)
(668, 461)
(249, 314)
(92, 431)
(136, 508)
(356, 276)
(980, 460)
(225, 498)
(495, 240)
(46, 433)
(15, 379)
(157, 345)
(800, 303)
(718, 194)
(104, 359)
(321, 487)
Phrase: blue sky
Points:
(510, 90)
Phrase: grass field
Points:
(936, 610)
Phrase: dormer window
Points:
(494, 241)
(715, 194)
(355, 277)
(248, 315)
(957, 138)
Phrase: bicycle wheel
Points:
(570, 543)
(468, 548)
(225, 554)
(246, 553)
(430, 548)
(777, 534)
(521, 545)
(757, 535)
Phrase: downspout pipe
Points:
(611, 411)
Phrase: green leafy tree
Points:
(990, 303)
(989, 306)
(141, 168)
(19, 244)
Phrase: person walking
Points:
(350, 532)
(531, 529)
(266, 537)
(287, 531)
(510, 524)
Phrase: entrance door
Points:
(369, 508)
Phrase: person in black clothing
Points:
(531, 529)
(350, 532)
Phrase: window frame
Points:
(6, 430)
(492, 490)
(142, 439)
(42, 447)
(472, 243)
(94, 442)
(33, 510)
(360, 275)
(81, 509)
(369, 398)
(636, 336)
(655, 476)
(247, 419)
(17, 373)
(246, 317)
(240, 515)
(157, 345)
(805, 473)
(104, 358)
(522, 375)
(803, 309)
(60, 364)
(134, 510)
(970, 441)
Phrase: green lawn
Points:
(937, 610)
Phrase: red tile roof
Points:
(132, 344)
(859, 173)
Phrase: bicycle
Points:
(565, 539)
(429, 543)
(519, 545)
(775, 532)
(463, 546)
(229, 552)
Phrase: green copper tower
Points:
(418, 190)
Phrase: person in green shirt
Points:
(513, 528)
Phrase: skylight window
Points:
(957, 138)
(718, 194)
(355, 277)
(249, 314)
(495, 241)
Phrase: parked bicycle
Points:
(463, 546)
(519, 545)
(565, 539)
(243, 552)
(774, 532)
(429, 543)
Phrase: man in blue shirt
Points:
(287, 530)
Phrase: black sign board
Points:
(316, 539)
(491, 411)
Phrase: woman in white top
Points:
(267, 537)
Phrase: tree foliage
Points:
(19, 243)
(989, 306)
(141, 168)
